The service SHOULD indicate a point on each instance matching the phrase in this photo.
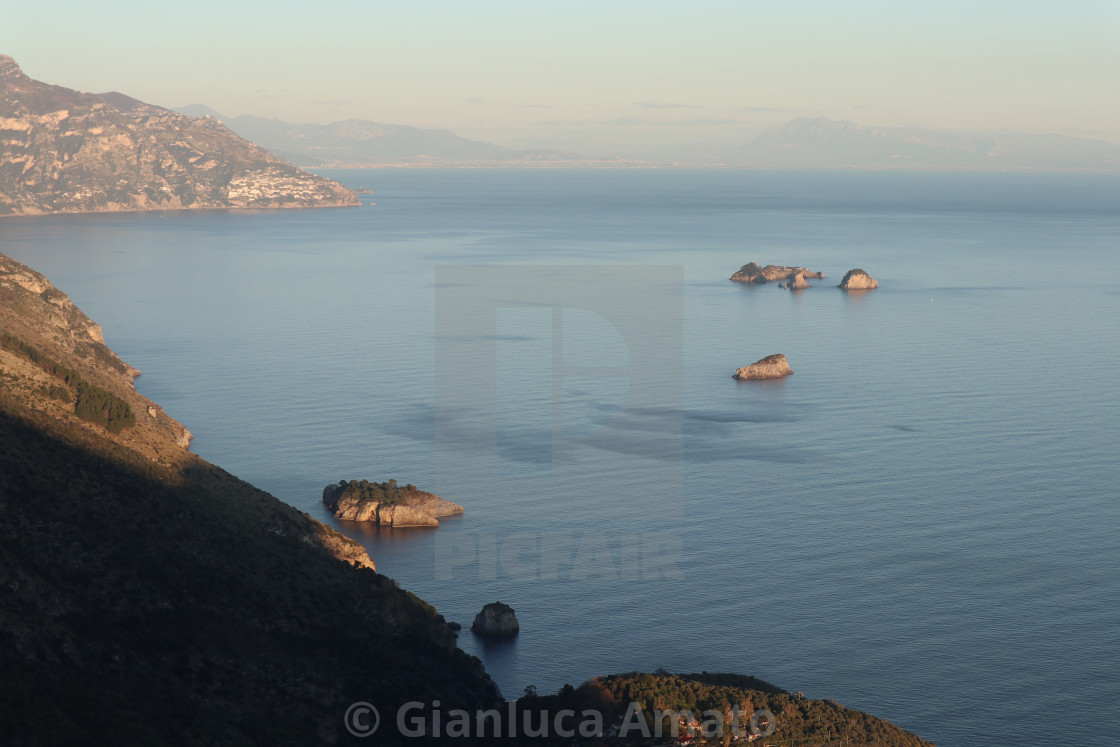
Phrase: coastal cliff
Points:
(147, 596)
(36, 315)
(64, 151)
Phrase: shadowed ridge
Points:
(149, 597)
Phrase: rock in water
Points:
(797, 282)
(770, 367)
(857, 279)
(754, 274)
(496, 619)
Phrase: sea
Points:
(922, 522)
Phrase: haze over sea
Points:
(921, 522)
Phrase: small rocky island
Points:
(770, 367)
(496, 619)
(387, 504)
(857, 279)
(754, 274)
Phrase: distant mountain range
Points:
(804, 143)
(823, 143)
(67, 151)
(360, 142)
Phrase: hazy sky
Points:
(595, 75)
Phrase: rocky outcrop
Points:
(183, 440)
(857, 279)
(797, 282)
(754, 274)
(387, 504)
(770, 367)
(405, 516)
(64, 151)
(496, 619)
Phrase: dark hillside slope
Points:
(149, 597)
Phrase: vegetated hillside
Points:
(71, 152)
(35, 314)
(149, 597)
(711, 701)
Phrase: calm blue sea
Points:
(921, 522)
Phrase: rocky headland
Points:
(754, 274)
(770, 367)
(496, 619)
(857, 279)
(387, 504)
(64, 151)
